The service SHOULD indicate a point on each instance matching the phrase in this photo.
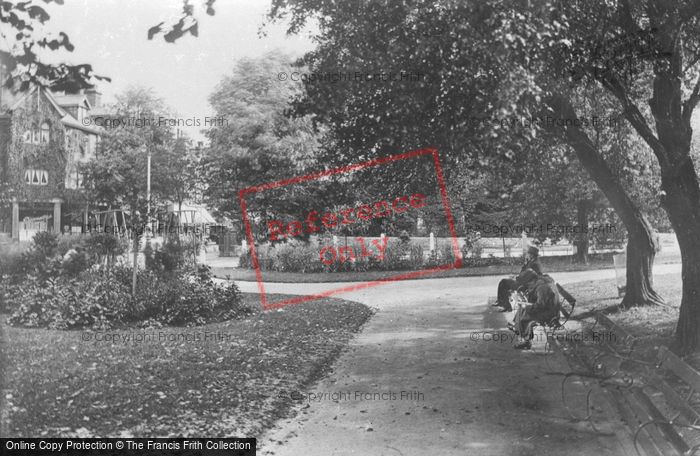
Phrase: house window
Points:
(44, 133)
(75, 179)
(36, 177)
(36, 135)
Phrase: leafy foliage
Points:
(22, 23)
(258, 143)
(100, 298)
(305, 257)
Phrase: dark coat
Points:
(544, 297)
(533, 264)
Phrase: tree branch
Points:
(634, 116)
(595, 164)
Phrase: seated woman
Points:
(506, 286)
(544, 296)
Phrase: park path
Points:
(420, 379)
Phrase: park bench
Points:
(672, 427)
(618, 348)
(657, 406)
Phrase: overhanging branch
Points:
(635, 117)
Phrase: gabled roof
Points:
(73, 100)
(67, 119)
(193, 213)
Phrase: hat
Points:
(532, 250)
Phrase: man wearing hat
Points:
(505, 286)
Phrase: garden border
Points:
(345, 169)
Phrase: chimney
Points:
(94, 96)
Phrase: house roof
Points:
(73, 100)
(67, 119)
(201, 214)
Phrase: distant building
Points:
(44, 137)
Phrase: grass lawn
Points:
(550, 264)
(234, 381)
(651, 325)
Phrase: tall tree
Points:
(117, 175)
(257, 143)
(471, 102)
(645, 56)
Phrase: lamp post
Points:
(148, 192)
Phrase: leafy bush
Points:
(94, 300)
(172, 256)
(295, 256)
(100, 298)
(75, 261)
(447, 253)
(477, 250)
(68, 242)
(190, 298)
(245, 260)
(104, 248)
(45, 243)
(394, 255)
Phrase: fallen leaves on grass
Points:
(61, 386)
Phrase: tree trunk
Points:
(641, 245)
(641, 250)
(682, 203)
(583, 210)
(688, 327)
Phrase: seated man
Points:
(543, 293)
(506, 286)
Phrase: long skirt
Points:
(505, 287)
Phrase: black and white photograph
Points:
(349, 227)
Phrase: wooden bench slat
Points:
(657, 443)
(675, 400)
(644, 441)
(611, 325)
(669, 432)
(670, 361)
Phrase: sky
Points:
(111, 36)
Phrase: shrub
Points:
(295, 256)
(192, 299)
(100, 299)
(447, 253)
(45, 243)
(394, 255)
(75, 261)
(245, 260)
(416, 256)
(170, 257)
(97, 299)
(69, 242)
(104, 248)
